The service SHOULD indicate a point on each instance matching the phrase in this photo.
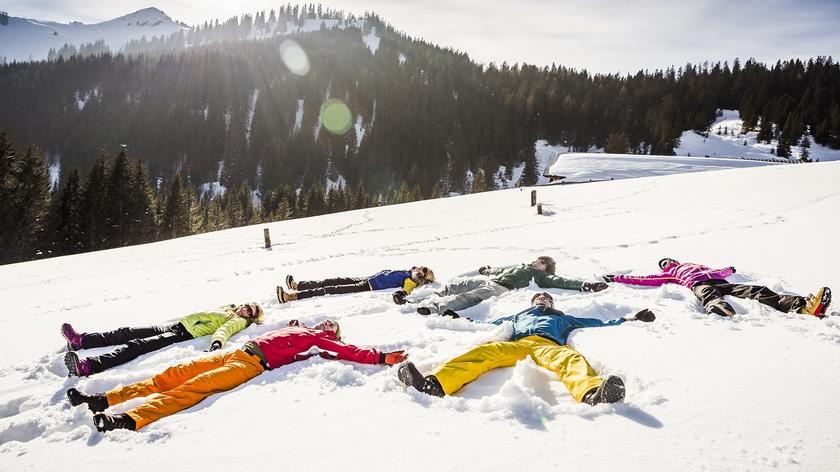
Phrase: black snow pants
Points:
(134, 343)
(337, 285)
(711, 292)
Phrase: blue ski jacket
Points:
(390, 279)
(549, 323)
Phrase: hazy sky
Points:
(599, 35)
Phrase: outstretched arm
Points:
(349, 352)
(647, 280)
(555, 281)
(228, 329)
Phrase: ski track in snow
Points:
(687, 374)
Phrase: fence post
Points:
(267, 238)
(533, 197)
(539, 209)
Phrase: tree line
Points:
(116, 204)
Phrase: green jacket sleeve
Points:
(228, 329)
(554, 281)
(497, 270)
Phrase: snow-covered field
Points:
(724, 148)
(756, 392)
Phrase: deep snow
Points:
(756, 392)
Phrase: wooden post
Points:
(267, 238)
(533, 197)
(539, 209)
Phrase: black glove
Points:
(645, 316)
(733, 269)
(593, 286)
(399, 297)
(215, 346)
(483, 270)
(293, 323)
(608, 278)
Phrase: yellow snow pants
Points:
(184, 385)
(569, 365)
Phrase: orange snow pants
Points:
(569, 365)
(184, 385)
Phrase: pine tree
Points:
(617, 143)
(31, 199)
(66, 220)
(93, 205)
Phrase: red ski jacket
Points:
(294, 343)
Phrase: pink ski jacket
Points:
(291, 344)
(687, 275)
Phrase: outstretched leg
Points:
(119, 336)
(236, 368)
(137, 347)
(467, 367)
(763, 295)
(463, 295)
(570, 366)
(310, 284)
(362, 286)
(711, 296)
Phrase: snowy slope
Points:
(756, 392)
(26, 39)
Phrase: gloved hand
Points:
(733, 269)
(294, 323)
(593, 286)
(608, 278)
(483, 269)
(399, 297)
(392, 358)
(645, 316)
(215, 346)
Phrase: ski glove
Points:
(399, 297)
(593, 286)
(215, 346)
(733, 269)
(608, 278)
(645, 316)
(294, 323)
(392, 358)
(483, 270)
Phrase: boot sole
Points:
(71, 361)
(280, 294)
(826, 300)
(69, 344)
(612, 390)
(410, 376)
(290, 283)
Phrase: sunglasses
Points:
(251, 311)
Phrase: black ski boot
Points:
(409, 375)
(721, 309)
(105, 422)
(610, 391)
(96, 402)
(425, 311)
(451, 314)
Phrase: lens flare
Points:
(294, 57)
(336, 116)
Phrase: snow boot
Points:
(96, 402)
(105, 422)
(817, 304)
(74, 339)
(410, 376)
(76, 366)
(610, 391)
(720, 308)
(284, 296)
(290, 283)
(425, 311)
(451, 313)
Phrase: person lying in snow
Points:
(472, 291)
(408, 280)
(182, 386)
(540, 332)
(221, 323)
(710, 286)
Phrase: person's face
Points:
(544, 300)
(419, 273)
(248, 311)
(539, 264)
(328, 325)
